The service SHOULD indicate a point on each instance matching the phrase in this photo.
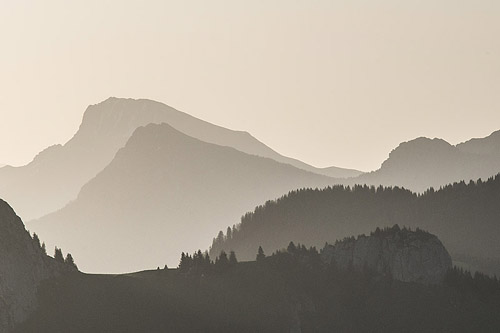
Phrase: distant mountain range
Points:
(163, 192)
(56, 175)
(423, 163)
(92, 186)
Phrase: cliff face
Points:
(23, 266)
(409, 256)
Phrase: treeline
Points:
(58, 254)
(463, 215)
(487, 288)
(200, 263)
(287, 291)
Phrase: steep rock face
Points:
(409, 256)
(23, 266)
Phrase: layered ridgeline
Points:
(56, 175)
(23, 266)
(464, 216)
(164, 192)
(423, 163)
(356, 285)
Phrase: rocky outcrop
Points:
(409, 256)
(23, 265)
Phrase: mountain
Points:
(423, 163)
(488, 146)
(23, 266)
(464, 216)
(290, 291)
(164, 192)
(56, 175)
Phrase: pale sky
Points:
(328, 82)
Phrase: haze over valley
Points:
(249, 166)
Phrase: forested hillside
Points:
(464, 216)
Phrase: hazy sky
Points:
(329, 82)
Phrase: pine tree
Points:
(44, 249)
(69, 261)
(36, 240)
(58, 255)
(260, 254)
(222, 260)
(232, 258)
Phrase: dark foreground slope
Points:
(23, 266)
(164, 191)
(464, 216)
(288, 292)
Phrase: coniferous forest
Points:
(288, 290)
(465, 216)
(250, 166)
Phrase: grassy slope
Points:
(254, 297)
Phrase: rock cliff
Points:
(409, 256)
(23, 265)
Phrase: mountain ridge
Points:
(164, 182)
(55, 176)
(422, 163)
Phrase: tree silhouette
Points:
(58, 255)
(260, 254)
(36, 240)
(44, 249)
(232, 258)
(222, 261)
(69, 261)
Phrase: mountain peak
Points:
(419, 150)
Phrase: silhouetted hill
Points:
(290, 291)
(23, 265)
(422, 163)
(464, 216)
(56, 175)
(164, 191)
(489, 145)
(403, 254)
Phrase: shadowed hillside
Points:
(290, 291)
(464, 216)
(164, 191)
(23, 266)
